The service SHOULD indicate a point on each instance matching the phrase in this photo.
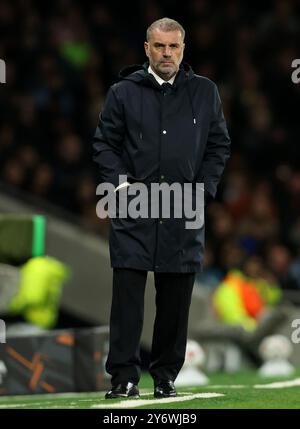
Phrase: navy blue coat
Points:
(156, 136)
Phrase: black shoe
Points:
(164, 389)
(123, 390)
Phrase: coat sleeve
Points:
(108, 139)
(217, 148)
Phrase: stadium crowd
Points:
(61, 57)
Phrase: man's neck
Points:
(159, 79)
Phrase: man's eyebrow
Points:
(164, 44)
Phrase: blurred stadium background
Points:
(61, 57)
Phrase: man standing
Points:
(161, 123)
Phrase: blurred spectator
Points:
(242, 300)
(212, 274)
(279, 260)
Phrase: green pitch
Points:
(225, 391)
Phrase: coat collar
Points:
(159, 79)
(140, 75)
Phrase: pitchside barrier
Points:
(56, 361)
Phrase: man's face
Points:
(165, 52)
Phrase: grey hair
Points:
(165, 24)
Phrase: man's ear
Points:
(146, 46)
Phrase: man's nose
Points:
(167, 52)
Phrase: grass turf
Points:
(244, 395)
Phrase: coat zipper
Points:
(159, 165)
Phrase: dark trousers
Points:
(173, 298)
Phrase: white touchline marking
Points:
(43, 403)
(132, 403)
(49, 404)
(279, 384)
(89, 400)
(225, 386)
(150, 392)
